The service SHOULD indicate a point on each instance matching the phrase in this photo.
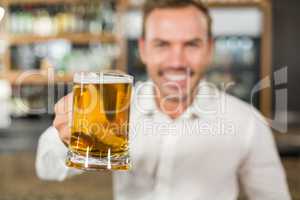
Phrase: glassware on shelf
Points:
(92, 17)
(235, 63)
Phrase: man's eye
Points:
(161, 44)
(193, 44)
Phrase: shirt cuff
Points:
(51, 155)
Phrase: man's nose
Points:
(177, 57)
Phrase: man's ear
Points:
(142, 49)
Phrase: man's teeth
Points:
(177, 77)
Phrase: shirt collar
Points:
(204, 101)
(146, 98)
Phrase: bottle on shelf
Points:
(59, 19)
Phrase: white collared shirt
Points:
(199, 156)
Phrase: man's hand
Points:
(63, 116)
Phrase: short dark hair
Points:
(151, 5)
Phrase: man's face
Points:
(176, 49)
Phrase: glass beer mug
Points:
(100, 121)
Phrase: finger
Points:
(64, 133)
(60, 119)
(64, 105)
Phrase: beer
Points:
(99, 132)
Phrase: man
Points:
(188, 140)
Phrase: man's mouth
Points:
(175, 77)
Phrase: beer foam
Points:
(98, 78)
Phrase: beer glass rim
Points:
(101, 77)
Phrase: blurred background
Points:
(42, 43)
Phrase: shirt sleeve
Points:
(261, 173)
(50, 157)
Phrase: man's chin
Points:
(174, 94)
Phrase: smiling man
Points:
(188, 140)
(176, 47)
